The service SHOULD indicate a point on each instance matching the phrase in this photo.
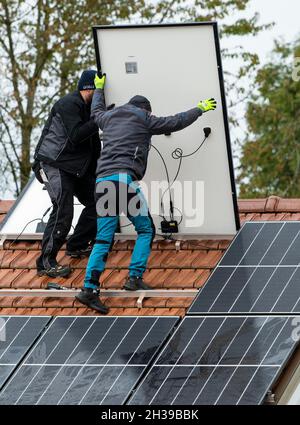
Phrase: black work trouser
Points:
(62, 187)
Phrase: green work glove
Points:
(99, 82)
(207, 105)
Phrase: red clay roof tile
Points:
(28, 279)
(116, 279)
(156, 258)
(288, 205)
(180, 259)
(271, 204)
(28, 302)
(179, 302)
(202, 278)
(75, 280)
(6, 302)
(120, 246)
(57, 302)
(203, 244)
(25, 259)
(10, 311)
(5, 205)
(181, 279)
(154, 302)
(9, 256)
(224, 244)
(184, 265)
(119, 302)
(251, 205)
(156, 277)
(7, 276)
(207, 260)
(23, 245)
(118, 259)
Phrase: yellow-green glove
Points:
(207, 105)
(100, 81)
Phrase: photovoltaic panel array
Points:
(17, 334)
(87, 360)
(219, 360)
(259, 273)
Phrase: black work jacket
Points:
(70, 139)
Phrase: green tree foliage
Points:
(45, 44)
(270, 161)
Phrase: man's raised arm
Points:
(98, 108)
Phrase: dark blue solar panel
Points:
(259, 273)
(88, 360)
(219, 360)
(17, 334)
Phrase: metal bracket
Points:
(177, 245)
(139, 301)
(270, 398)
(2, 240)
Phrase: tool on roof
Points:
(56, 286)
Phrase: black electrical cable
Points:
(46, 212)
(181, 215)
(125, 225)
(177, 154)
(23, 230)
(168, 180)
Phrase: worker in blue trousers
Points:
(127, 132)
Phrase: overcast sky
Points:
(285, 14)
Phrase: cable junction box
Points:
(169, 226)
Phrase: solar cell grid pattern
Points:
(87, 360)
(219, 360)
(17, 334)
(259, 273)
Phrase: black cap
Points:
(141, 102)
(86, 81)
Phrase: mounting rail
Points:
(63, 293)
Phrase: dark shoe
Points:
(90, 298)
(85, 252)
(136, 284)
(57, 271)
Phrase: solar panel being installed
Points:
(259, 273)
(219, 360)
(87, 360)
(17, 334)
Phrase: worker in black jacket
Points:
(127, 132)
(65, 161)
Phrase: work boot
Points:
(136, 283)
(55, 271)
(90, 298)
(85, 252)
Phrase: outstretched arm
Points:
(162, 125)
